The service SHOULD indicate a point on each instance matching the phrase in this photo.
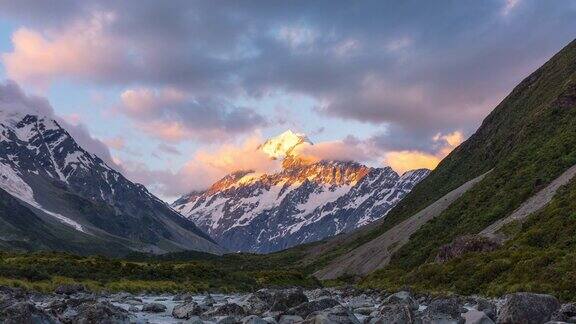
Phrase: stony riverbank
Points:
(74, 304)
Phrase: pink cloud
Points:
(349, 149)
(83, 49)
(405, 160)
(204, 168)
(116, 143)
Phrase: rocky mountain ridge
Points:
(303, 202)
(77, 202)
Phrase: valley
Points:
(317, 163)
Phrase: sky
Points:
(176, 94)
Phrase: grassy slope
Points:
(541, 258)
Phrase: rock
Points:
(465, 244)
(154, 308)
(317, 293)
(133, 302)
(566, 313)
(360, 301)
(401, 297)
(348, 291)
(394, 313)
(527, 308)
(253, 319)
(100, 312)
(228, 320)
(305, 309)
(259, 302)
(24, 312)
(121, 296)
(366, 311)
(229, 309)
(443, 311)
(270, 320)
(288, 298)
(186, 311)
(187, 297)
(336, 315)
(487, 307)
(476, 317)
(289, 319)
(194, 320)
(69, 289)
(209, 301)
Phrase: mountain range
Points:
(57, 196)
(302, 202)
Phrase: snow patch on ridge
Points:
(12, 183)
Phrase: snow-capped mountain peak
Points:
(282, 145)
(246, 211)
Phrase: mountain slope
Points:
(75, 201)
(527, 141)
(304, 202)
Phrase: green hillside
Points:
(528, 141)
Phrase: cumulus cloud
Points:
(406, 160)
(204, 167)
(80, 51)
(348, 149)
(13, 99)
(174, 115)
(357, 62)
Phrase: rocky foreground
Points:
(74, 304)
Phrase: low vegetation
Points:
(541, 257)
(195, 272)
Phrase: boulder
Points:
(401, 297)
(259, 302)
(305, 309)
(288, 298)
(24, 312)
(209, 301)
(366, 311)
(360, 301)
(317, 293)
(229, 309)
(443, 311)
(401, 313)
(476, 317)
(487, 307)
(187, 310)
(154, 308)
(335, 315)
(195, 320)
(465, 244)
(566, 313)
(527, 308)
(270, 320)
(228, 320)
(186, 297)
(290, 319)
(100, 312)
(69, 289)
(253, 319)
